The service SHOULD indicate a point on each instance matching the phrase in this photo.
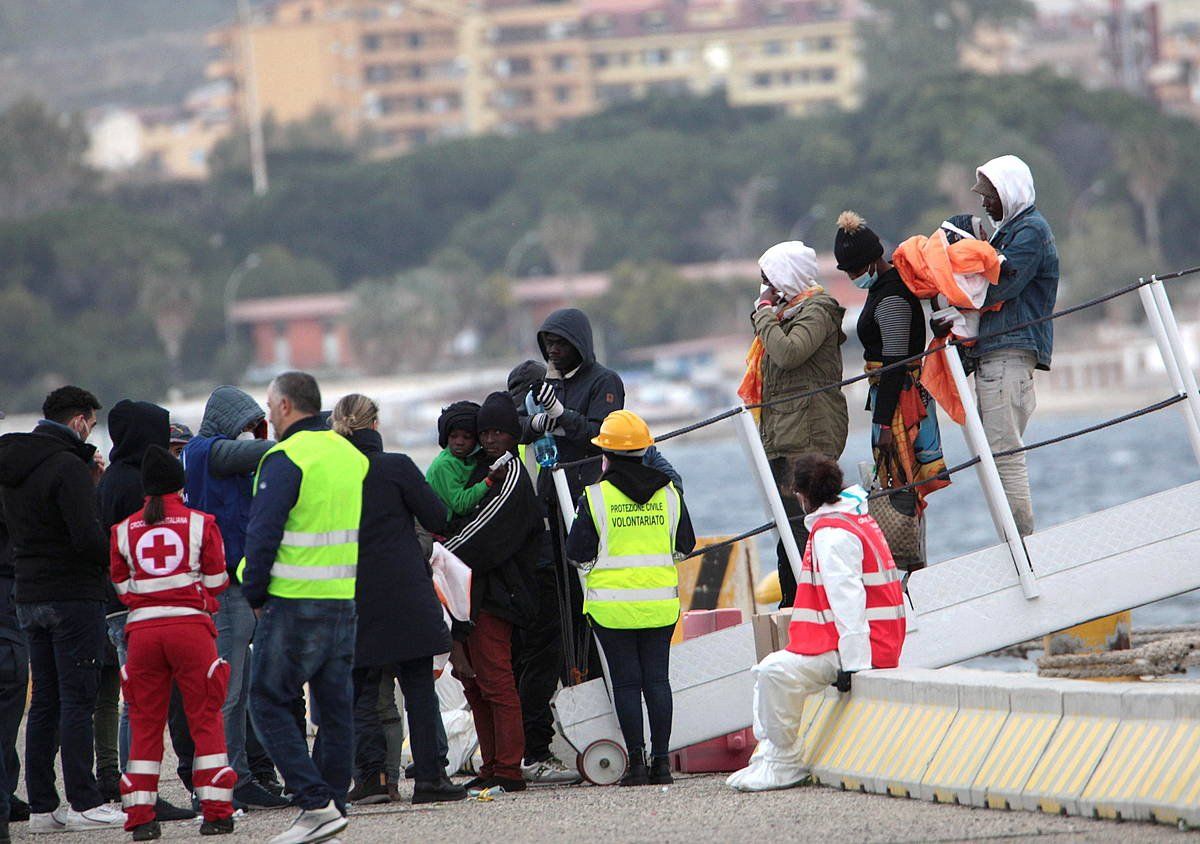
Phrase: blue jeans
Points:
(298, 642)
(66, 649)
(235, 628)
(14, 685)
(116, 635)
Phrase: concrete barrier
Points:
(1014, 741)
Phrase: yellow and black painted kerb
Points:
(1054, 746)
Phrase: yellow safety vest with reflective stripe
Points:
(634, 584)
(318, 556)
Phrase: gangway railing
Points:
(1160, 316)
(971, 605)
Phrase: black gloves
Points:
(842, 683)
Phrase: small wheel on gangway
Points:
(602, 762)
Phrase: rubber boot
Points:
(660, 771)
(635, 773)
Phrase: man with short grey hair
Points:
(299, 575)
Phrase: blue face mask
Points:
(865, 280)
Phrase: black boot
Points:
(660, 770)
(147, 831)
(635, 772)
(4, 837)
(437, 791)
(220, 826)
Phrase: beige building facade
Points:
(398, 75)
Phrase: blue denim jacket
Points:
(1028, 288)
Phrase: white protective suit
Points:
(783, 680)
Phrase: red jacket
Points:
(170, 571)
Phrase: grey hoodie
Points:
(228, 412)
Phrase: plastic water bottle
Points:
(545, 448)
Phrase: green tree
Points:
(41, 160)
(1149, 162)
(907, 40)
(653, 303)
(280, 273)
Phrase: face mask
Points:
(246, 435)
(865, 280)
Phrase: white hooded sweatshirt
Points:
(1014, 182)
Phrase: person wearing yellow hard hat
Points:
(629, 527)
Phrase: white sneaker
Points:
(104, 816)
(55, 821)
(550, 770)
(313, 825)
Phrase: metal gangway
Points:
(1109, 561)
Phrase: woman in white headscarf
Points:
(796, 348)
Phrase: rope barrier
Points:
(906, 362)
(946, 473)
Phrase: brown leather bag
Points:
(898, 517)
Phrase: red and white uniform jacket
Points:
(170, 571)
(848, 593)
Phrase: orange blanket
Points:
(961, 272)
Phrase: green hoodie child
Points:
(451, 470)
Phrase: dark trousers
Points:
(66, 640)
(538, 664)
(106, 718)
(638, 666)
(14, 686)
(424, 717)
(781, 469)
(256, 755)
(298, 642)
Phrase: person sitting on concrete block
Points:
(848, 616)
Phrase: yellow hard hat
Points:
(768, 590)
(623, 430)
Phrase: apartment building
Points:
(796, 55)
(398, 75)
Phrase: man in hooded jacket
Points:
(1006, 355)
(220, 462)
(48, 493)
(576, 396)
(134, 426)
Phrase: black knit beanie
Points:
(523, 376)
(498, 414)
(459, 416)
(855, 245)
(162, 473)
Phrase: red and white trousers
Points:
(183, 652)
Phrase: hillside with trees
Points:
(434, 238)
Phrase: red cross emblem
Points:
(159, 551)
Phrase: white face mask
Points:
(246, 435)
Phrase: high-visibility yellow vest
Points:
(634, 584)
(318, 557)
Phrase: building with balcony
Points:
(398, 75)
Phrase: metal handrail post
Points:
(989, 476)
(757, 457)
(1170, 363)
(1186, 383)
(563, 490)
